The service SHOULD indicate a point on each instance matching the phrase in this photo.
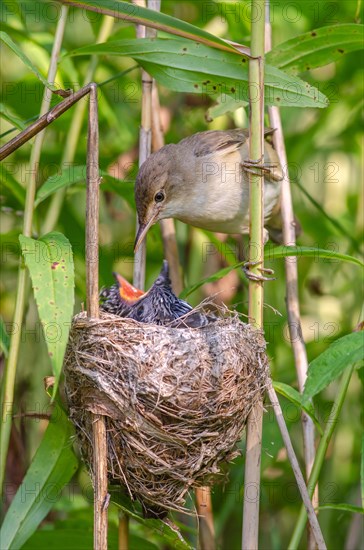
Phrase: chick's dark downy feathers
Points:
(159, 305)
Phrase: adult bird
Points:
(203, 181)
(159, 305)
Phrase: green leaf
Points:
(362, 471)
(8, 41)
(151, 18)
(52, 467)
(274, 253)
(11, 185)
(343, 508)
(316, 48)
(191, 67)
(169, 532)
(295, 397)
(50, 263)
(77, 174)
(81, 538)
(4, 338)
(7, 114)
(332, 362)
(225, 104)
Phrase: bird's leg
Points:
(257, 167)
(254, 276)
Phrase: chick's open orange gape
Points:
(203, 181)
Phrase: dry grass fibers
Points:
(175, 399)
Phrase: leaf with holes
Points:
(191, 67)
(50, 263)
(316, 48)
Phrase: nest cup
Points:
(175, 400)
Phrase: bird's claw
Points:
(257, 167)
(254, 276)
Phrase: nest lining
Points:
(175, 399)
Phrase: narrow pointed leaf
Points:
(342, 508)
(275, 253)
(330, 364)
(50, 263)
(7, 114)
(190, 67)
(9, 42)
(166, 529)
(52, 467)
(143, 16)
(73, 175)
(11, 186)
(4, 338)
(295, 397)
(317, 48)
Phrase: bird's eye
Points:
(159, 197)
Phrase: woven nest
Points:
(175, 399)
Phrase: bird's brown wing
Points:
(219, 141)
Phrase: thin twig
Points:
(292, 299)
(42, 122)
(321, 452)
(145, 146)
(123, 533)
(167, 226)
(92, 289)
(100, 482)
(312, 518)
(256, 296)
(10, 371)
(206, 518)
(92, 208)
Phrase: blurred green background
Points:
(324, 148)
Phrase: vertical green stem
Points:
(10, 371)
(320, 455)
(255, 420)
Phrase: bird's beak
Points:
(127, 291)
(143, 230)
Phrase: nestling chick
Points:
(203, 181)
(159, 305)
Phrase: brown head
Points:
(157, 187)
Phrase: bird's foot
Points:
(258, 167)
(255, 276)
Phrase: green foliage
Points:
(4, 338)
(50, 263)
(169, 532)
(325, 368)
(274, 253)
(9, 42)
(295, 397)
(52, 467)
(323, 148)
(77, 174)
(190, 67)
(317, 48)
